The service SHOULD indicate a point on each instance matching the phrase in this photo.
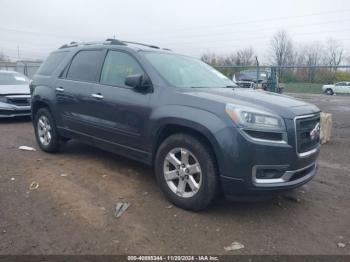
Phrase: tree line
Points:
(284, 52)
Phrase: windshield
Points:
(183, 71)
(251, 75)
(13, 78)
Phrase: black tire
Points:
(329, 91)
(55, 141)
(208, 189)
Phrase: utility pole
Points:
(18, 52)
(257, 71)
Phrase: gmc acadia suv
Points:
(201, 133)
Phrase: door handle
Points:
(59, 89)
(97, 96)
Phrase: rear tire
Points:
(46, 133)
(186, 172)
(329, 91)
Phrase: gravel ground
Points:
(72, 210)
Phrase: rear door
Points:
(75, 91)
(347, 88)
(340, 87)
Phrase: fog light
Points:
(269, 173)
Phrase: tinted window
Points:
(13, 78)
(51, 63)
(86, 66)
(117, 67)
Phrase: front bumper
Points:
(234, 188)
(243, 158)
(7, 111)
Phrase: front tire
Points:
(45, 131)
(186, 172)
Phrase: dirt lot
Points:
(72, 211)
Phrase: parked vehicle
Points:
(14, 94)
(248, 78)
(340, 87)
(199, 130)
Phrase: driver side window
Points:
(117, 67)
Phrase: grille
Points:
(18, 101)
(245, 84)
(304, 126)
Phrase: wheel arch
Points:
(194, 129)
(37, 105)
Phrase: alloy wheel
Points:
(44, 130)
(182, 172)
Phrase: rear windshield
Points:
(51, 63)
(13, 78)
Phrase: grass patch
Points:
(303, 88)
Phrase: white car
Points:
(340, 88)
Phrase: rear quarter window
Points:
(51, 63)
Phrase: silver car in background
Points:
(14, 94)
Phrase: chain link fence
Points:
(27, 68)
(295, 79)
(300, 79)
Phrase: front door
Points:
(123, 112)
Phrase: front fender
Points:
(204, 122)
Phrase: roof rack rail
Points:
(137, 43)
(107, 42)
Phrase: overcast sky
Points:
(191, 27)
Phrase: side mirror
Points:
(139, 82)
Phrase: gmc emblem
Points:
(315, 132)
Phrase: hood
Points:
(14, 89)
(282, 105)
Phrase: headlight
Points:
(255, 119)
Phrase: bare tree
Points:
(311, 55)
(211, 59)
(281, 49)
(334, 53)
(244, 57)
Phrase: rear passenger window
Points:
(117, 66)
(86, 66)
(51, 63)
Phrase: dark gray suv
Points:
(202, 134)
